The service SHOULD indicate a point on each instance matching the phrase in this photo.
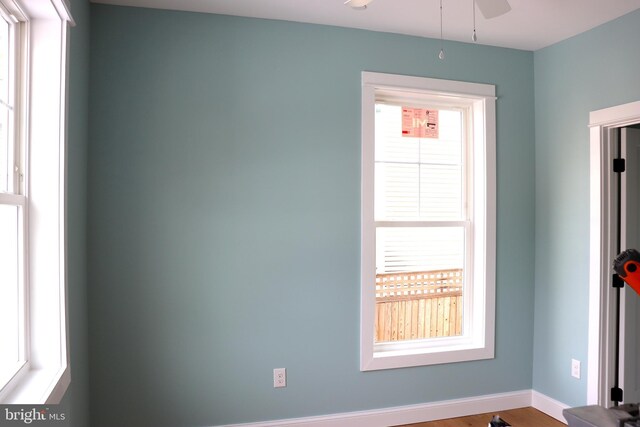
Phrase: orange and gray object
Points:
(627, 266)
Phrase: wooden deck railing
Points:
(420, 304)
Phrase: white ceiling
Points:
(530, 25)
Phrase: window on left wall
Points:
(34, 362)
(12, 210)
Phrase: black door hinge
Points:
(616, 281)
(618, 165)
(616, 394)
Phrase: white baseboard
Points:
(548, 405)
(426, 411)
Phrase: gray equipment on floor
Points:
(596, 416)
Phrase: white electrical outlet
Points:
(279, 377)
(575, 368)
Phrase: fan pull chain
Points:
(441, 54)
(474, 37)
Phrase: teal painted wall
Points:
(223, 227)
(75, 404)
(594, 70)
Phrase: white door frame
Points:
(603, 123)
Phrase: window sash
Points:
(408, 172)
(9, 81)
(13, 292)
(464, 263)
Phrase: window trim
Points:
(46, 375)
(480, 344)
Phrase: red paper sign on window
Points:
(419, 123)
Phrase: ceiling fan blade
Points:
(358, 4)
(492, 8)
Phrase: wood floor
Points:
(523, 417)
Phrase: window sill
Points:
(38, 387)
(392, 359)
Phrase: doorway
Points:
(605, 134)
(630, 238)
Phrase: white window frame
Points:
(45, 375)
(477, 341)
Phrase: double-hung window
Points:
(13, 206)
(34, 363)
(428, 221)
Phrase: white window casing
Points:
(45, 375)
(477, 340)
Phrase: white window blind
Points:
(416, 249)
